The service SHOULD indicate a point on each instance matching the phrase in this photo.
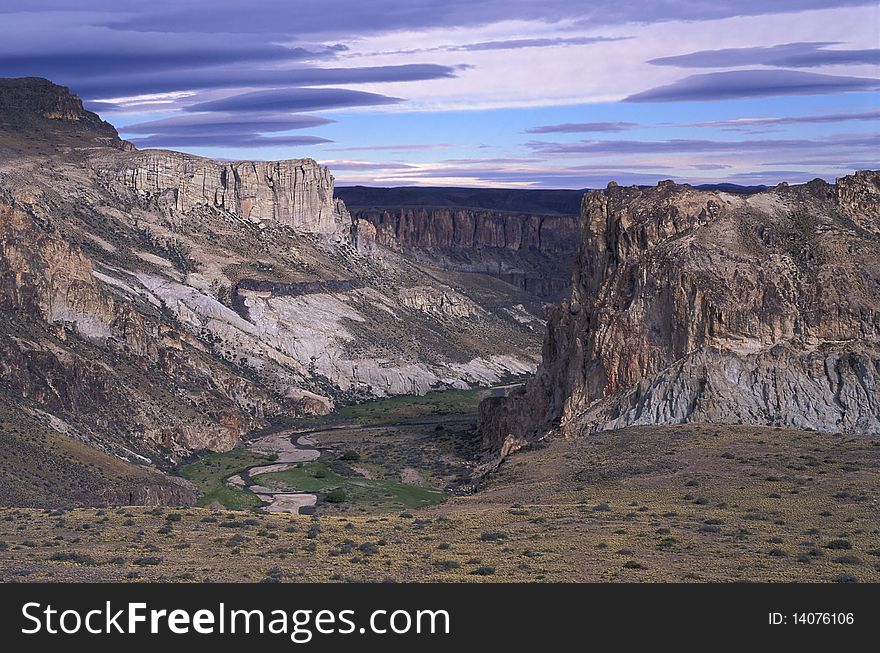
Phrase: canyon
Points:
(158, 304)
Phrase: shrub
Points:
(483, 571)
(632, 564)
(492, 536)
(846, 578)
(447, 565)
(351, 456)
(848, 560)
(368, 548)
(73, 556)
(839, 545)
(337, 496)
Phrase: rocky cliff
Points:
(297, 193)
(527, 250)
(37, 116)
(709, 307)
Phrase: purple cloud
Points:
(752, 124)
(126, 85)
(224, 140)
(210, 123)
(737, 84)
(582, 127)
(295, 99)
(682, 145)
(365, 16)
(789, 55)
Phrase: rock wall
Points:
(296, 192)
(526, 250)
(699, 306)
(466, 228)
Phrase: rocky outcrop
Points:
(297, 193)
(174, 492)
(438, 301)
(705, 306)
(32, 108)
(529, 251)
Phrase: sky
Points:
(498, 93)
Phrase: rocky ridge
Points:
(693, 306)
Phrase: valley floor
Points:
(676, 503)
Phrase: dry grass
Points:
(691, 503)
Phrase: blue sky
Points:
(519, 93)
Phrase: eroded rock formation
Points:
(297, 193)
(709, 307)
(527, 250)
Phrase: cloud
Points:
(363, 16)
(404, 147)
(683, 145)
(224, 130)
(752, 124)
(789, 55)
(366, 165)
(582, 127)
(230, 140)
(295, 99)
(738, 84)
(512, 44)
(125, 85)
(211, 123)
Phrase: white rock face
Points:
(295, 192)
(437, 301)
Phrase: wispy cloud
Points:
(226, 140)
(232, 77)
(736, 84)
(582, 127)
(751, 124)
(208, 123)
(683, 145)
(398, 147)
(294, 99)
(789, 55)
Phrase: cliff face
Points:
(49, 291)
(709, 307)
(297, 193)
(529, 251)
